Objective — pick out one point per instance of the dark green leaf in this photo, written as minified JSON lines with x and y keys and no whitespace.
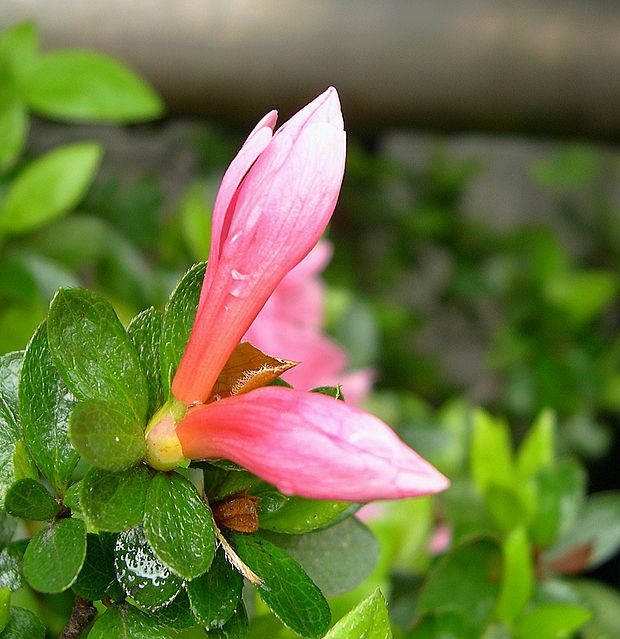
{"x":93,"y":353}
{"x":11,"y":559}
{"x":23,"y":624}
{"x":141,"y":574}
{"x":215,"y":595}
{"x":178,"y":525}
{"x":446,"y":625}
{"x":286,"y":589}
{"x":177,"y":614}
{"x":72,"y":498}
{"x":123,"y":621}
{"x":178,"y":321}
{"x":297,"y":515}
{"x":9,"y":436}
{"x":84,"y":85}
{"x":5,"y":607}
{"x":220,"y":482}
{"x":337,"y":558}
{"x":46,"y":418}
{"x":330,"y":391}
{"x":28,"y":499}
{"x":369,"y":620}
{"x":49,"y":186}
{"x":467,"y":580}
{"x":7,"y":528}
{"x":55,"y":555}
{"x":105,"y":434}
{"x":97,"y":574}
{"x":114,"y":501}
{"x":145,"y":333}
{"x":235,"y":628}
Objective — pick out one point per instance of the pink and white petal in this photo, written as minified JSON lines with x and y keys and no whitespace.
{"x":310,"y":445}
{"x":324,"y":108}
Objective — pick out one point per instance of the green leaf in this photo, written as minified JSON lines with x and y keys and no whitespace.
{"x":337,"y":559}
{"x":11,"y":559}
{"x":179,"y":525}
{"x":235,"y":628}
{"x":114,"y":501}
{"x":49,"y":186}
{"x":215,"y":595}
{"x":597,"y":526}
{"x":9,"y":436}
{"x":10,"y":368}
{"x":560,"y":493}
{"x":28,"y":499}
{"x":369,"y":619}
{"x":46,"y":418}
{"x":537,"y":451}
{"x":23,"y":466}
{"x":144,"y":331}
{"x":551,"y":621}
{"x":296,"y":515}
{"x":196,"y":220}
{"x":106,"y":435}
{"x":517,"y":576}
{"x":97,"y":574}
{"x":330,"y":391}
{"x":143,"y":577}
{"x":84,"y":85}
{"x":604,"y":602}
{"x":23,"y":624}
{"x":178,"y":321}
{"x":445,"y":625}
{"x":55,"y":555}
{"x":123,"y":621}
{"x":93,"y":353}
{"x":491,"y":452}
{"x":7,"y":528}
{"x":177,"y":614}
{"x":18,"y":48}
{"x":5,"y":607}
{"x":13,"y":130}
{"x":286,"y":589}
{"x":573,"y":166}
{"x":506,"y":506}
{"x":466,"y":580}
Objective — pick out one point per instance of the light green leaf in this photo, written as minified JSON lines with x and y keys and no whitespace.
{"x":18,"y":48}
{"x":23,"y":624}
{"x":551,"y":621}
{"x":179,"y":525}
{"x":517,"y":576}
{"x":55,"y":555}
{"x":368,"y":620}
{"x":196,"y":220}
{"x":49,"y":187}
{"x":537,"y":451}
{"x":84,"y":85}
{"x":5,"y":607}
{"x":491,"y":452}
{"x":13,"y":130}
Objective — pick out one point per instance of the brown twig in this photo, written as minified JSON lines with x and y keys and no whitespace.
{"x":82,"y":614}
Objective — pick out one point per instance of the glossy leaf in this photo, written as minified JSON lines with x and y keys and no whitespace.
{"x":10,"y":368}
{"x":46,"y":420}
{"x":93,"y":353}
{"x":9,"y":436}
{"x":337,"y":559}
{"x":144,"y":331}
{"x":84,"y":85}
{"x":235,"y":628}
{"x":49,"y":186}
{"x":369,"y":619}
{"x":124,"y":621}
{"x":97,"y":574}
{"x":11,"y":559}
{"x":55,"y":555}
{"x":106,"y":435}
{"x":287,"y":589}
{"x":23,"y":624}
{"x":114,"y":501}
{"x":178,"y":321}
{"x":215,"y":595}
{"x":177,"y":614}
{"x":28,"y":499}
{"x":178,"y":525}
{"x":143,"y":577}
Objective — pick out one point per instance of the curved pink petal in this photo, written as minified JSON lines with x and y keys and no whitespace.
{"x":310,"y":445}
{"x":275,"y":217}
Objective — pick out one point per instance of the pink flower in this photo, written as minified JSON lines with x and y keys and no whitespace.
{"x":290,"y":324}
{"x":274,"y":202}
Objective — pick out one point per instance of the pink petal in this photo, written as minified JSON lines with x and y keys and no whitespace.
{"x":310,"y":445}
{"x":274,"y":219}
